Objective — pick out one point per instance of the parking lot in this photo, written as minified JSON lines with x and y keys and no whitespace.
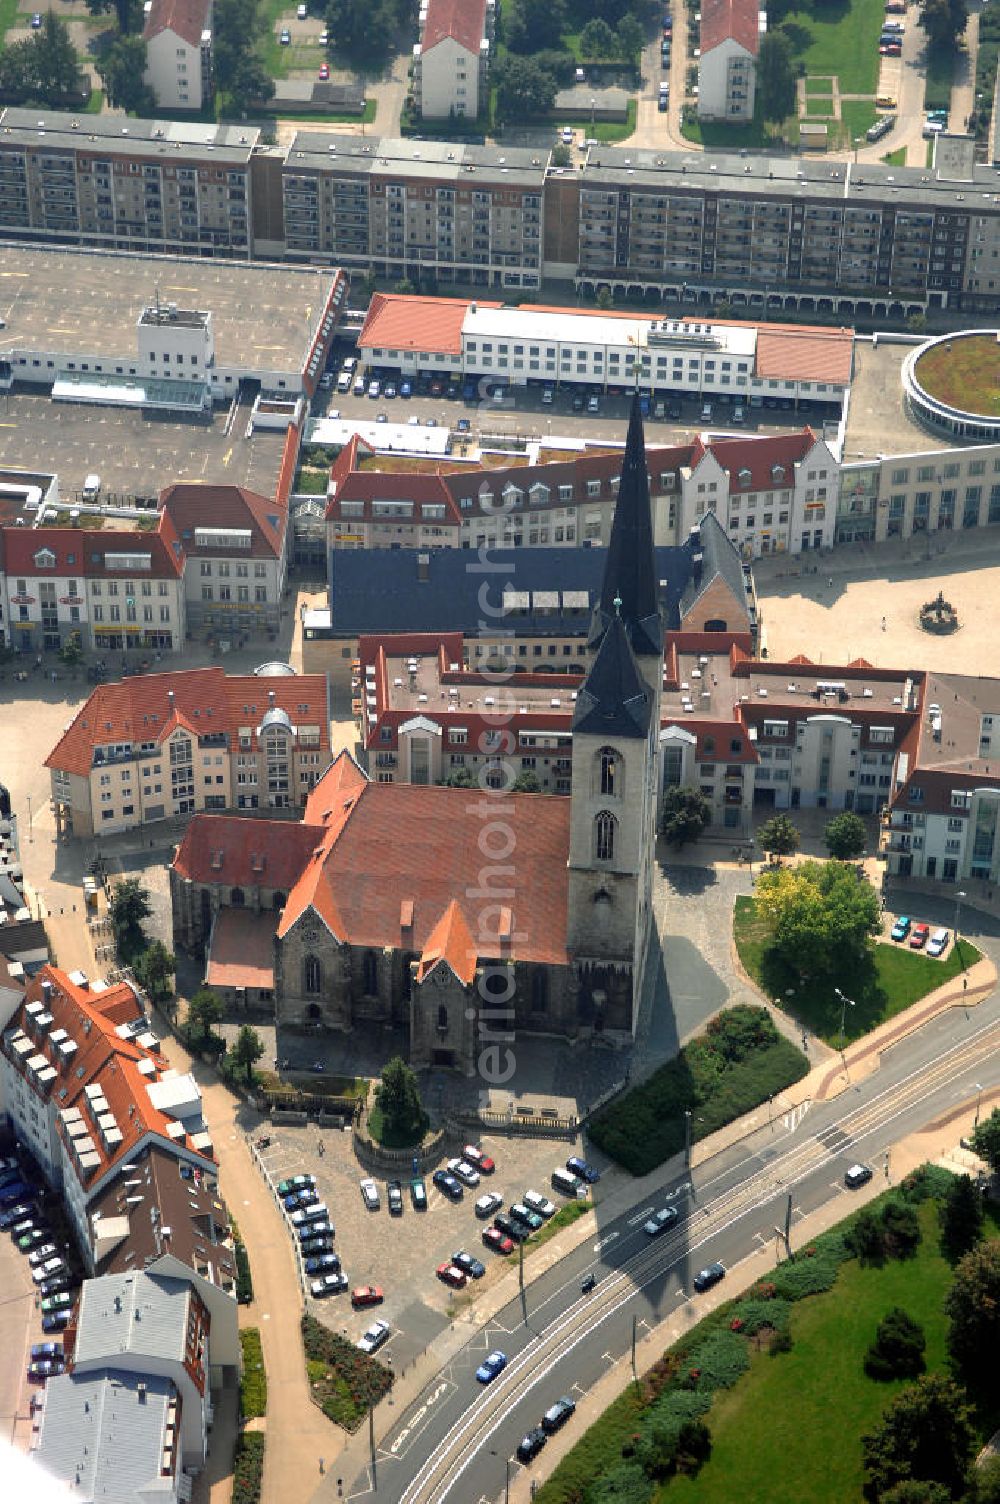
{"x":400,"y":1254}
{"x":523,"y":412}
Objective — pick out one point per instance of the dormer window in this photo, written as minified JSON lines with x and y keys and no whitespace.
{"x":777,"y":472}
{"x":45,"y":559}
{"x":744,"y":477}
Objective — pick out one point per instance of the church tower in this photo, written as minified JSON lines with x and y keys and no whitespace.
{"x":615,"y":748}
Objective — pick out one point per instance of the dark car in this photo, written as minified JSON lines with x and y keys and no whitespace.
{"x":418,"y":1194}
{"x":55,"y":1321}
{"x":448,"y":1184}
{"x":468,"y":1264}
{"x":578,"y":402}
{"x":519,"y":1231}
{"x":674,"y":412}
{"x":32,"y":1238}
{"x":45,"y":1368}
{"x":46,"y":1350}
{"x":22,"y":1212}
{"x":588,"y":1172}
{"x":321,"y":1243}
{"x":394,"y":1192}
{"x":300,"y":1199}
{"x":706,"y":1278}
{"x":16,"y":1190}
{"x":856,"y":1176}
{"x":558,"y":1414}
{"x":58,"y":1283}
{"x":323,"y":1263}
{"x":529,"y":1446}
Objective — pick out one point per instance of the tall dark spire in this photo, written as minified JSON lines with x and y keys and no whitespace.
{"x":629,"y":586}
{"x":614,"y":699}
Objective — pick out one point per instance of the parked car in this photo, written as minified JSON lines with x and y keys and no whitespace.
{"x":674,"y":412}
{"x":36,"y":20}
{"x":313,"y":1245}
{"x":322,"y":1263}
{"x":448,"y":1184}
{"x":394,"y":1196}
{"x":518,"y":1231}
{"x":474,"y":1156}
{"x":16,"y":1190}
{"x":46,"y":1350}
{"x":706,"y":412}
{"x":32,"y":1238}
{"x":369,"y":1194}
{"x":374,"y":1337}
{"x":406,"y":389}
{"x":310,"y":1230}
{"x":418,"y":1194}
{"x":582,"y":1169}
{"x":709,"y":1276}
{"x":857,"y":1175}
{"x":497,"y":1241}
{"x":919,"y":936}
{"x":324,"y":71}
{"x":490,"y":1367}
{"x":450,"y":1274}
{"x":529,"y":1218}
{"x":40,"y":1255}
{"x":296,"y":1183}
{"x":468,"y":1265}
{"x":57,"y":1284}
{"x":548,"y":395}
{"x":663,"y":104}
{"x":558,"y":1414}
{"x":318,"y":1212}
{"x":389,"y":391}
{"x":488,"y":1204}
{"x":578,"y":402}
{"x":366,"y":1295}
{"x":938,"y":943}
{"x":660,"y":1221}
{"x":539,"y":1204}
{"x":60,"y":1302}
{"x":374,"y":388}
{"x":529,"y":1446}
{"x":55,"y":1321}
{"x":22,"y":1212}
{"x":463,"y":1172}
{"x":593,"y":403}
{"x":328,"y":1284}
{"x":299,"y":1199}
{"x":45,"y":1368}
{"x":52,"y":1266}
{"x":286,"y":37}
{"x":900,"y":929}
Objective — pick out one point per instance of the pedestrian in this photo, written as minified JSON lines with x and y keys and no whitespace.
{"x":830,"y":581}
{"x":883,"y":624}
{"x":321,"y":1467}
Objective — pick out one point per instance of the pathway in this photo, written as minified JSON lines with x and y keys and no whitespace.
{"x":963,"y":87}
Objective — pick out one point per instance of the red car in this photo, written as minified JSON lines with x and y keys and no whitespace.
{"x":451,"y":1275}
{"x":366,"y":1295}
{"x":497,"y":1240}
{"x":324,"y":70}
{"x":479,"y":1161}
{"x":918,"y":936}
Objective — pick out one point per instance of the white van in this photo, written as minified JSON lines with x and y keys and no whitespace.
{"x":565,"y":1183}
{"x":344,"y":382}
{"x":92,"y":488}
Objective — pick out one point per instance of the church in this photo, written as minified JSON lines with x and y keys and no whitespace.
{"x":465,"y":916}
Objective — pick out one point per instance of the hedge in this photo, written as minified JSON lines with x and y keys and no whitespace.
{"x":253,"y":1384}
{"x":248,"y":1467}
{"x":738,"y":1062}
{"x":244,"y":1282}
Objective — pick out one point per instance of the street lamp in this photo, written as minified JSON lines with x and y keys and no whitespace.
{"x":844,"y":1000}
{"x":958,"y":914}
{"x":506,"y":1492}
{"x":858,"y":141}
{"x":979,"y":1098}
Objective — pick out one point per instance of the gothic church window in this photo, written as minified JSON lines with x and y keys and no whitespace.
{"x":312,"y":975}
{"x":605,"y":826}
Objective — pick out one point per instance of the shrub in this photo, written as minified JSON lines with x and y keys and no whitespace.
{"x":900,"y":1229}
{"x":866,"y":1237}
{"x":248,"y":1467}
{"x":720,"y":1360}
{"x":898,"y":1349}
{"x":624,"y":1483}
{"x":926,"y":1183}
{"x":244,"y":1281}
{"x":345,"y":1382}
{"x":757,"y":1313}
{"x":781,"y":1342}
{"x":808,"y":1276}
{"x":253,"y":1384}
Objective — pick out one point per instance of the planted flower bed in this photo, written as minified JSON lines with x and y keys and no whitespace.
{"x":344,"y":1382}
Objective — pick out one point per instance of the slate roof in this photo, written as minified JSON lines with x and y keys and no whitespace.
{"x":720,"y":557}
{"x":614,"y":700}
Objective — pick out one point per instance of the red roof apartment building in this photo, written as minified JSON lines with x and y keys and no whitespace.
{"x":451,"y":59}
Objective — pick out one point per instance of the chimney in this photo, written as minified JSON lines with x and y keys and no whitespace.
{"x":141,"y":1391}
{"x":423,"y":568}
{"x":47,"y":990}
{"x":170,"y":697}
{"x":696,"y":563}
{"x":270,"y":697}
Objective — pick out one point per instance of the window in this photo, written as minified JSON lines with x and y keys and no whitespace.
{"x":312,"y":976}
{"x":610,"y":778}
{"x":370,"y":967}
{"x":539,"y":990}
{"x":237,"y":898}
{"x":442,"y":1022}
{"x":604,"y":836}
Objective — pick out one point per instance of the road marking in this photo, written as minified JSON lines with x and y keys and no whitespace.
{"x":420,"y":1415}
{"x":603,"y":1242}
{"x":641,"y":1216}
{"x":792,"y":1119}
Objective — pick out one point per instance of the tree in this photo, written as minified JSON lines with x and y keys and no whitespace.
{"x":972,"y":1306}
{"x":984,"y":1481}
{"x":961,"y":1217}
{"x":900,"y":1229}
{"x":462,"y":778}
{"x":778,"y":836}
{"x":630,"y":37}
{"x":17,"y":69}
{"x":526,"y":783}
{"x":153,"y":969}
{"x":820,"y":915}
{"x":685,"y":814}
{"x":397,"y":1096}
{"x":604,"y":300}
{"x":128,"y":907}
{"x":944,"y":22}
{"x":898,"y":1349}
{"x":121,"y":72}
{"x":128,"y":12}
{"x":916,"y":1491}
{"x":56,"y":65}
{"x":865,"y":1237}
{"x":529,"y":26}
{"x":986,"y":1140}
{"x":71,"y":652}
{"x":597,"y":40}
{"x":776,"y":76}
{"x":240,"y":73}
{"x":247,"y":1050}
{"x":523,"y":88}
{"x":204,"y":1010}
{"x":926,"y":1435}
{"x":845,"y":837}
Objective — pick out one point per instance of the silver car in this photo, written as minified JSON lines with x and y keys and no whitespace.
{"x":369,"y":1193}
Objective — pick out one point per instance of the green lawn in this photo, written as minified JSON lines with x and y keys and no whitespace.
{"x":896,"y":978}
{"x":846,"y":44}
{"x":857,"y":115}
{"x":714,"y":133}
{"x":799,"y":1417}
{"x":819,"y":86}
{"x":896,"y":158}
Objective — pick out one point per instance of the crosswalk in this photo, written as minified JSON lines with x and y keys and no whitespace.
{"x":793,"y":1118}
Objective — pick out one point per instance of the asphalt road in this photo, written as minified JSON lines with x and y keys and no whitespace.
{"x":561,"y":1342}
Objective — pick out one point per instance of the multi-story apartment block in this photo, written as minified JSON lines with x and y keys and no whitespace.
{"x":171,"y":744}
{"x":798,"y":233}
{"x":727,"y":69}
{"x":236,"y":554}
{"x":418,"y":209}
{"x":451,"y":59}
{"x":178,"y":37}
{"x":146,"y":186}
{"x":944,"y":820}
